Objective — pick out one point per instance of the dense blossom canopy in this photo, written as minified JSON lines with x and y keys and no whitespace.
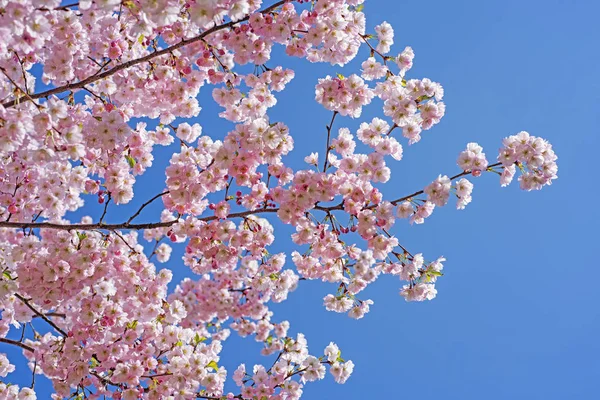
{"x":112,"y":328}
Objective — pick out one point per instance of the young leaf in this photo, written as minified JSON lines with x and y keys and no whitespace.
{"x":213,"y":364}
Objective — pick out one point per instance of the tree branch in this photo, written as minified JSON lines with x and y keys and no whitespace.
{"x":26,"y":96}
{"x":395,"y":202}
{"x":19,"y":344}
{"x":144,"y":205}
{"x":124,"y":225}
{"x":53,"y":314}
{"x":131,"y":63}
{"x":152,"y":225}
{"x":105,"y":207}
{"x":85,"y":227}
{"x":39,"y":314}
{"x":328,"y":138}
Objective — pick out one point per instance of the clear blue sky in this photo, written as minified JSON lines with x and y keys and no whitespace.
{"x":517,"y":311}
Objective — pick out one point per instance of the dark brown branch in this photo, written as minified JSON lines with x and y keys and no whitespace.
{"x":395,"y":202}
{"x":131,"y":63}
{"x":106,"y":381}
{"x":105,"y":207}
{"x":124,"y":225}
{"x":66,"y":7}
{"x":26,"y":96}
{"x":152,"y":225}
{"x":365,"y":38}
{"x":53,"y":314}
{"x":125,"y":241}
{"x":144,"y":205}
{"x":153,"y":253}
{"x":33,"y":374}
{"x":19,"y":344}
{"x":39,"y":314}
{"x":328,"y":139}
{"x":86,"y":227}
{"x":22,"y":72}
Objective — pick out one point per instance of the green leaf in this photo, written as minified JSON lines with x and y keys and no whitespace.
{"x":132,"y":324}
{"x":6,"y":274}
{"x":141,"y":39}
{"x":198,"y":339}
{"x":340,"y":76}
{"x":130,"y":161}
{"x":213,"y":364}
{"x":130,"y":4}
{"x":269,"y":340}
{"x":435,"y":273}
{"x":359,"y":7}
{"x":81,"y":236}
{"x":179,"y":343}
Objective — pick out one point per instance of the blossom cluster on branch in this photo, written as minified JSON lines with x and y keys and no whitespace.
{"x":110,"y":326}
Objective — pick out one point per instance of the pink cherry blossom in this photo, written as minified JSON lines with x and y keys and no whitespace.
{"x":114,"y":325}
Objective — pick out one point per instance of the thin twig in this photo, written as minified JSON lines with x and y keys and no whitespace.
{"x":395,"y":202}
{"x":105,"y":207}
{"x":153,"y":253}
{"x":125,"y":241}
{"x":328,"y":138}
{"x":33,"y":374}
{"x":19,"y":344}
{"x":22,"y":72}
{"x":53,"y":314}
{"x":94,"y":94}
{"x":39,"y":314}
{"x":27,"y":96}
{"x":23,"y":333}
{"x":144,"y":205}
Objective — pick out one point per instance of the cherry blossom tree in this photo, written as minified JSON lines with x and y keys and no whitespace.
{"x":112,"y":329}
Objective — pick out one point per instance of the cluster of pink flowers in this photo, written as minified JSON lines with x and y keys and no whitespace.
{"x":473,"y":158}
{"x":413,"y":106}
{"x":240,"y":107}
{"x":111,"y":326}
{"x":330,"y":32}
{"x":534,"y":157}
{"x":346,"y":96}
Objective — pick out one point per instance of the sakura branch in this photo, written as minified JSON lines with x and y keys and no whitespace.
{"x":131,"y":63}
{"x":329,"y":127}
{"x":146,"y":204}
{"x":452,"y":178}
{"x":124,"y":225}
{"x":41,"y":315}
{"x":118,"y":328}
{"x":18,"y":344}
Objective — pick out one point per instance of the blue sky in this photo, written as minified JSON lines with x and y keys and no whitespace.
{"x":517,"y":311}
